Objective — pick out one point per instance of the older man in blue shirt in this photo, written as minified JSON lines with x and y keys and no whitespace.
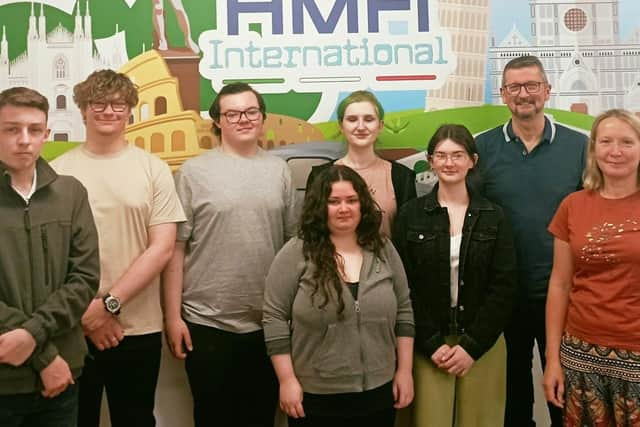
{"x":528,"y":166}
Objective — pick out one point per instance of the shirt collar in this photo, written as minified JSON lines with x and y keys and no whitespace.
{"x":32,"y":190}
{"x":548,"y":134}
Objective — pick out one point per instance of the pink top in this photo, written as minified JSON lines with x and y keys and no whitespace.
{"x":378,"y":178}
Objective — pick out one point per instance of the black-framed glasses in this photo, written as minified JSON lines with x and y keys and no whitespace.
{"x":531,"y":87}
{"x":117,"y":106}
{"x":234,"y":116}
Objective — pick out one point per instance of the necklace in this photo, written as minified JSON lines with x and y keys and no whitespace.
{"x":360,"y":168}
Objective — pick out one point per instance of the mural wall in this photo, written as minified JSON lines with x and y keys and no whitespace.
{"x":429,"y":61}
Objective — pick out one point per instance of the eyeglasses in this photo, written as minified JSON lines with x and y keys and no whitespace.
{"x":455,"y":157}
{"x":530,"y":87}
{"x":233,"y":116}
{"x":117,"y":106}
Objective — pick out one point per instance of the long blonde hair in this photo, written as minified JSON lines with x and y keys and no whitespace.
{"x":592,"y":177}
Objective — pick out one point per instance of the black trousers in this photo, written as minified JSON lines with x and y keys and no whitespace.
{"x":35,"y":410}
{"x":129,"y":375}
{"x":381,"y":418}
{"x":526,"y":326}
{"x":231,"y":377}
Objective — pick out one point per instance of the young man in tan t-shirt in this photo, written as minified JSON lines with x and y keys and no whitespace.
{"x":136,"y":209}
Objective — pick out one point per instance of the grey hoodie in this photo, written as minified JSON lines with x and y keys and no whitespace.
{"x":332,"y":355}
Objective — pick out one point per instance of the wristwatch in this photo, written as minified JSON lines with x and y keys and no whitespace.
{"x":111,"y":304}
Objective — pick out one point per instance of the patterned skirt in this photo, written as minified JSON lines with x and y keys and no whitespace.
{"x":602,"y":385}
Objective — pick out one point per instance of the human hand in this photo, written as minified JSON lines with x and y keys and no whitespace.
{"x":178,"y":337}
{"x":457,"y":361}
{"x":107,"y":336}
{"x":402,"y":389}
{"x":437,"y":355}
{"x":16,"y":346}
{"x":56,"y":377}
{"x":95,"y":316}
{"x":553,"y":383}
{"x":291,"y":398}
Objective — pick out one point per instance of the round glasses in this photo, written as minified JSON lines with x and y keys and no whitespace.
{"x":455,"y":157}
{"x":117,"y":106}
{"x":530,"y":87}
{"x":234,"y":116}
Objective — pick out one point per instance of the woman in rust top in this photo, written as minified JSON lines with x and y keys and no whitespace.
{"x":593,"y":305}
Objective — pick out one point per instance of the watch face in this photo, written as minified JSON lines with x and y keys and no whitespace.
{"x":112,"y":304}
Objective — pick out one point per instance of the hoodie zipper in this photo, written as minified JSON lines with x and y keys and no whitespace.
{"x":356,"y":305}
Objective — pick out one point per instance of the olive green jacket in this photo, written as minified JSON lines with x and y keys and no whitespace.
{"x":49,"y":272}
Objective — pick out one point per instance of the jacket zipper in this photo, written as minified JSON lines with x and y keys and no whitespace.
{"x":45,"y":248}
{"x":28,"y":289}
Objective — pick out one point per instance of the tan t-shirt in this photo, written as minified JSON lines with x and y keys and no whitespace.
{"x":604,"y":235}
{"x":378,"y":178}
{"x":129,"y":192}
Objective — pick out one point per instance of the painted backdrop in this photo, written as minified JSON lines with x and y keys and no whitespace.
{"x":429,"y":61}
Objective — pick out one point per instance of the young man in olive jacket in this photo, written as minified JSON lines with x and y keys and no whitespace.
{"x":49,"y":271}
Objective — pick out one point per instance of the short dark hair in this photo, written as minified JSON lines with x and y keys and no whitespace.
{"x":24,"y":97}
{"x":458,"y":134}
{"x":314,"y":230}
{"x":104,"y":83}
{"x":231,"y":89}
{"x":461,"y":136}
{"x":524,"y":61}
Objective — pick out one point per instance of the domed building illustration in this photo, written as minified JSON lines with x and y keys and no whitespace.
{"x":159,"y":123}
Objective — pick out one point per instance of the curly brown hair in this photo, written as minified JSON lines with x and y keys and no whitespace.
{"x":103,"y":84}
{"x":314,"y":231}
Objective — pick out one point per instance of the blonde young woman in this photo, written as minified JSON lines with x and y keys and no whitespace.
{"x":360,"y":116}
{"x":593,"y":305}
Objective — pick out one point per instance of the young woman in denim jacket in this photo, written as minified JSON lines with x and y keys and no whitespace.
{"x":458,"y":253}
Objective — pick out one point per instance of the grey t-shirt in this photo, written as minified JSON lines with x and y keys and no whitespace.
{"x":240,"y":212}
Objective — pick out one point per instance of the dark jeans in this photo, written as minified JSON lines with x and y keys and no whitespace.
{"x":526,"y":325}
{"x":382,"y":418}
{"x":231,"y":378}
{"x":34,"y":410}
{"x":129,"y":374}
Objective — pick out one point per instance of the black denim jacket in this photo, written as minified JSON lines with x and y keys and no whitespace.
{"x":487,"y":273}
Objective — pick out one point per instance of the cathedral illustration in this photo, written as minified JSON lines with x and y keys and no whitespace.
{"x":55,"y":61}
{"x":589,"y":67}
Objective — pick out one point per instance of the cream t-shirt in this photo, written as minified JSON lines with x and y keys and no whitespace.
{"x":129,"y":191}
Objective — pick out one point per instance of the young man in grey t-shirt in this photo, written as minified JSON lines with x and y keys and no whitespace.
{"x":239,"y":203}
